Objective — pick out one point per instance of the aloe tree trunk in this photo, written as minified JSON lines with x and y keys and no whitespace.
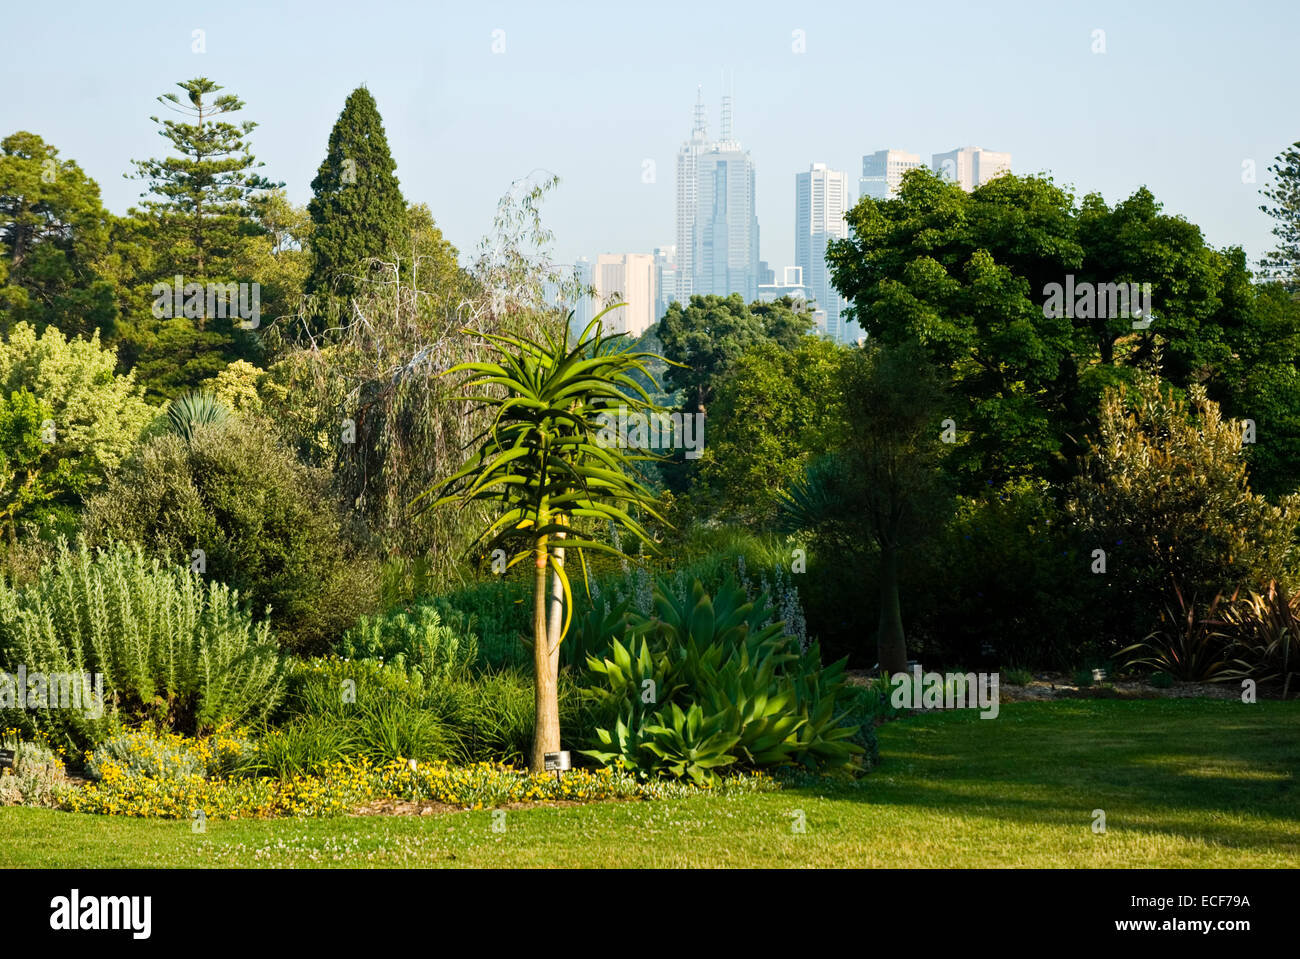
{"x":546,"y":668}
{"x":891,"y":645}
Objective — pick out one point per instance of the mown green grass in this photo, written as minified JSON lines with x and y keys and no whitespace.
{"x":1182,"y":783}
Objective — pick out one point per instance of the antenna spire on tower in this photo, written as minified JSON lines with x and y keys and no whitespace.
{"x":701,"y":123}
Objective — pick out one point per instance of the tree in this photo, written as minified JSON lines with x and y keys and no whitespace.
{"x":775,"y":410}
{"x":67,"y":421}
{"x":53,"y":230}
{"x":1283,"y":195}
{"x":708,"y":335}
{"x":883,"y":480}
{"x":547,"y":468}
{"x":202,"y":223}
{"x":357,"y":209}
{"x":204,"y":199}
{"x":968,"y":276}
{"x":1164,"y":493}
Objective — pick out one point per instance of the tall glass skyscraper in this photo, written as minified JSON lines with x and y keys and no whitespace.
{"x":717,"y":229}
{"x":821,"y":198}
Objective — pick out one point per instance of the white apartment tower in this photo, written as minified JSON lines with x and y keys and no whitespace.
{"x":625,"y":278}
{"x":970,"y":167}
{"x":882,"y":172}
{"x":821,"y":198}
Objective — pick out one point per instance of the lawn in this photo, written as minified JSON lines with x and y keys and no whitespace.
{"x":1188,"y":782}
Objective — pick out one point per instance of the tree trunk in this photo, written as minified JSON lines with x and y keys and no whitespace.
{"x":891,"y":645}
{"x":546,"y":660}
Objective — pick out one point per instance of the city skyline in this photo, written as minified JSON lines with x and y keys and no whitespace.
{"x":1089,"y":119}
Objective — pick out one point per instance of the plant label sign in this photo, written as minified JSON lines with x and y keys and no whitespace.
{"x":556,"y":761}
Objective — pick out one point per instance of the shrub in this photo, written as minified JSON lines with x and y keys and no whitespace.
{"x":67,"y":421}
{"x":171,"y":649}
{"x":414,"y":639}
{"x":1013,"y":581}
{"x":35,"y":776}
{"x":1164,"y":490}
{"x":170,"y":756}
{"x":1185,"y":645}
{"x":1264,"y":629}
{"x":266,"y":525}
{"x":705,"y":684}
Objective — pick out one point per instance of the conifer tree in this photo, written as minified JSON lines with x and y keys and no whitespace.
{"x":1284,"y":196}
{"x":357,"y":209}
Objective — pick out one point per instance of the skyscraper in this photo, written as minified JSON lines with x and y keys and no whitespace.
{"x":820,"y":200}
{"x":882,"y":172}
{"x":970,"y":167}
{"x":627,"y":278}
{"x":717,"y":229}
{"x":687,"y":200}
{"x":665,"y":279}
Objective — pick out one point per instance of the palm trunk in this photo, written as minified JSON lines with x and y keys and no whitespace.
{"x":546,"y":659}
{"x":891,"y":645}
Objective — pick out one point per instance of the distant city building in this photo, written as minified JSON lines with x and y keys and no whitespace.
{"x":970,"y":167}
{"x":791,"y":285}
{"x":688,"y":200}
{"x":582,"y":312}
{"x":627,"y":278}
{"x":717,"y":229}
{"x":882,"y":172}
{"x":665,"y":279}
{"x":821,"y":199}
{"x":766,"y":275}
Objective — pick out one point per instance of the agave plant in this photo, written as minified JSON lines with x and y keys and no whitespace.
{"x":187,"y":413}
{"x":705,"y":684}
{"x":1185,"y":645}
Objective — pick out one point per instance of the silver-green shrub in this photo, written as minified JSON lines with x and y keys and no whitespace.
{"x":35,"y":775}
{"x":173,"y":650}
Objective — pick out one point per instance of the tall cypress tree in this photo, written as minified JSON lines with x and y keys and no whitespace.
{"x":357,"y":208}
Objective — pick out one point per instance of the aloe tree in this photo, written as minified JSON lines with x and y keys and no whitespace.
{"x":549,"y":466}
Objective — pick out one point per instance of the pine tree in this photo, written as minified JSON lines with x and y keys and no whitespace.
{"x":204,"y":199}
{"x":357,"y":208}
{"x":1284,"y":194}
{"x":200,"y":221}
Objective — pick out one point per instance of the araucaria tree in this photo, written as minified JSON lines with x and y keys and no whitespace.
{"x":205,"y":196}
{"x":549,"y":470}
{"x":1283,"y":195}
{"x":357,"y":209}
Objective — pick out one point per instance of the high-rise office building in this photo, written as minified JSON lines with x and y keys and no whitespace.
{"x":665,"y":279}
{"x":882,"y":172}
{"x":688,"y":200}
{"x":970,"y":167}
{"x":627,"y":278}
{"x":717,"y":229}
{"x":821,"y":198}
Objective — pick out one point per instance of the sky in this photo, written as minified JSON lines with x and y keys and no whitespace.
{"x":474,"y":96}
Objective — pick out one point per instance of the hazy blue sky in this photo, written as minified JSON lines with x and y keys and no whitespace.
{"x":1185,"y":92}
